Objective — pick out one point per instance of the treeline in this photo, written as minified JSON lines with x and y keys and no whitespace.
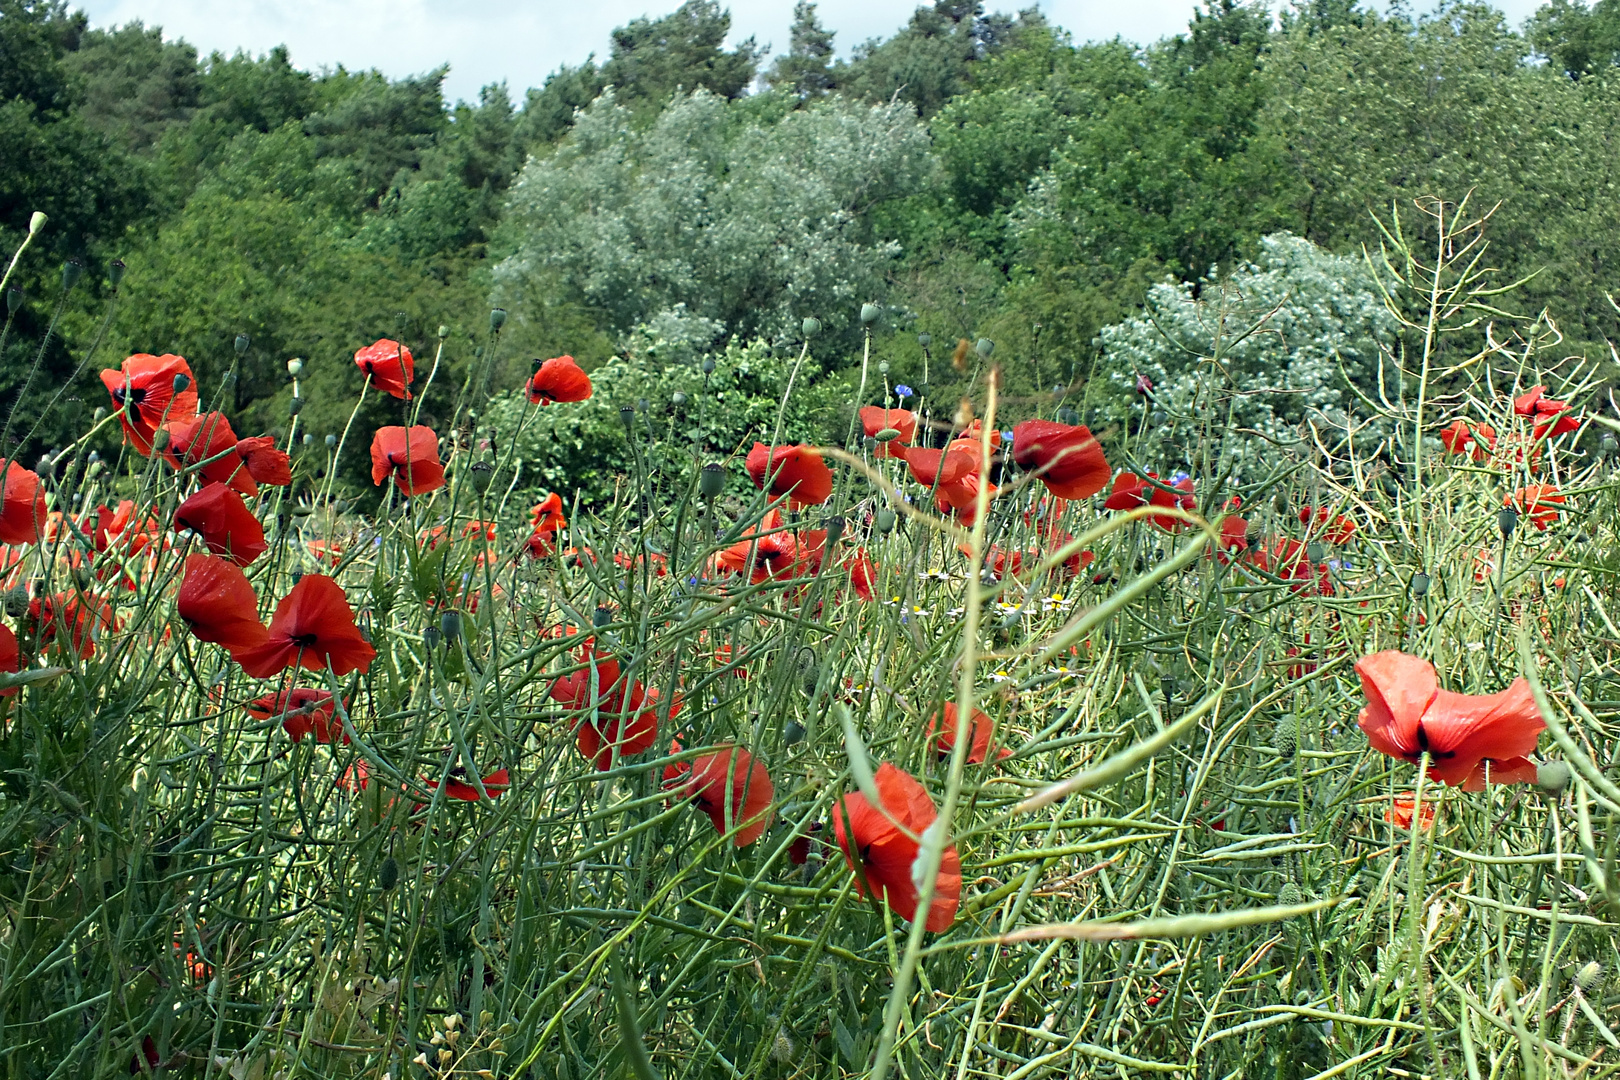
{"x":977,"y":174}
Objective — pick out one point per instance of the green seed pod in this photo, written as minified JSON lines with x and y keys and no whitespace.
{"x":1589,"y":979}
{"x":984,"y":347}
{"x":72,"y":271}
{"x":1290,"y":894}
{"x":482,"y":475}
{"x":14,"y":299}
{"x":712,"y":480}
{"x":430,"y":636}
{"x":115,"y":272}
{"x":1420,"y":585}
{"x":888,"y":434}
{"x":810,"y":326}
{"x":708,"y":365}
{"x":678,"y":398}
{"x":17,"y":602}
{"x":869,"y":314}
{"x":1507,"y":519}
{"x":295,"y":406}
{"x":601,"y":616}
{"x":295,"y":367}
{"x":497,"y":319}
{"x":1068,"y":416}
{"x":242,"y":343}
{"x":925,"y":340}
{"x":1552,"y":777}
{"x":388,"y":873}
{"x":883,"y":521}
{"x":835,"y":529}
{"x":450,"y":625}
{"x":1285,"y":736}
{"x":883,"y":367}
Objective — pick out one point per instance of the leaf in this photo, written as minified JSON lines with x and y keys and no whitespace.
{"x":629,"y":1028}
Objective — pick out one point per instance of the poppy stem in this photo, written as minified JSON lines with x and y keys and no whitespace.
{"x":337,"y":455}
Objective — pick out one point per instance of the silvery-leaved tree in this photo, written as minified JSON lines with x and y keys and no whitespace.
{"x":1250,"y":360}
{"x":749,"y":214}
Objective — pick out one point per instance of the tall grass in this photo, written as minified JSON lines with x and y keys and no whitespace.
{"x":1190,"y":864}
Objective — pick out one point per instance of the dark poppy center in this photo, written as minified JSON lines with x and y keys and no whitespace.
{"x":303,"y":641}
{"x":1425,"y":748}
{"x":137,"y":395}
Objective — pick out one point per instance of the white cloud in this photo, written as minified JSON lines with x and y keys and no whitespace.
{"x":522,"y":42}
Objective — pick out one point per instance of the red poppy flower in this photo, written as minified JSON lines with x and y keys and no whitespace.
{"x":875,"y":418}
{"x":1315,"y":520}
{"x":10,"y":659}
{"x":222,"y":519}
{"x":1001,"y":563}
{"x":1130,"y":491}
{"x":559,"y":379}
{"x":656,"y":560}
{"x":218,"y":603}
{"x":150,"y":1053}
{"x":960,"y":498}
{"x":931,"y":467}
{"x":1069,"y":460}
{"x":980,"y":729}
{"x":1475,"y":440}
{"x":799,"y":849}
{"x":863,"y":575}
{"x":303,"y":711}
{"x":880,"y":854}
{"x":22,"y":507}
{"x":1541,"y":503}
{"x":410,"y":457}
{"x":774,"y":555}
{"x":389,"y":365}
{"x":313,"y":627}
{"x":1400,"y":810}
{"x":745,"y":800}
{"x":77,"y":616}
{"x":356,"y":777}
{"x":208,"y":437}
{"x":796,"y":472}
{"x":264,"y":462}
{"x":1407,"y":714}
{"x":972,"y":435}
{"x":614,"y":716}
{"x":1290,"y":560}
{"x":143,"y":391}
{"x":1234,"y":539}
{"x":1549,"y":418}
{"x":495,"y":784}
{"x":547,"y":514}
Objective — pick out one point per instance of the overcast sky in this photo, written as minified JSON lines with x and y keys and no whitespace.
{"x":521,"y":41}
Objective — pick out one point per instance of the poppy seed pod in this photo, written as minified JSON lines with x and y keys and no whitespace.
{"x":1552,"y":776}
{"x":115,"y":272}
{"x":295,"y":406}
{"x":1507,"y":519}
{"x":72,"y":271}
{"x":181,"y":381}
{"x":497,"y":319}
{"x":835,"y":529}
{"x":708,"y":365}
{"x":1315,"y":552}
{"x":869,"y":442}
{"x":793,"y":733}
{"x":16,"y":602}
{"x":242,"y":343}
{"x":388,"y":874}
{"x":1068,"y":416}
{"x":711,"y":480}
{"x":36,"y":222}
{"x":601,"y":617}
{"x":331,"y":441}
{"x":450,"y":625}
{"x":1608,"y":445}
{"x":627,"y":414}
{"x":925,"y":340}
{"x":1158,"y":417}
{"x":883,"y":521}
{"x":14,"y":299}
{"x":984,"y":347}
{"x":883,"y":367}
{"x":677,"y":398}
{"x":430,"y":636}
{"x":869,"y":314}
{"x":811,"y":326}
{"x":295,"y":367}
{"x":309,"y":440}
{"x":444,"y":331}
{"x":1420,"y":585}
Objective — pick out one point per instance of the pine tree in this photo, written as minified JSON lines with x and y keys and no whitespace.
{"x":807,"y":68}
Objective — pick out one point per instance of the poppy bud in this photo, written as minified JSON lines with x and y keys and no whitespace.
{"x":242,"y":343}
{"x":100,"y":414}
{"x":925,"y":340}
{"x":1420,"y":585}
{"x":450,"y":625}
{"x":712,"y":480}
{"x":430,"y":635}
{"x":497,"y":319}
{"x":984,"y":347}
{"x":793,"y":733}
{"x":295,"y":406}
{"x":295,"y":367}
{"x":1315,"y":552}
{"x":1290,"y":894}
{"x":601,"y":616}
{"x":1609,"y":445}
{"x":883,"y":367}
{"x":388,"y":874}
{"x":1552,"y":777}
{"x":708,"y":365}
{"x":810,"y":326}
{"x":72,"y":270}
{"x":115,"y":272}
{"x":1158,"y":417}
{"x":869,"y":314}
{"x":1068,"y":416}
{"x":14,"y":299}
{"x":309,"y":440}
{"x":835,"y":529}
{"x":444,"y":331}
{"x":883,"y":521}
{"x":1589,"y":978}
{"x":1507,"y":519}
{"x":36,"y":222}
{"x":160,"y":438}
{"x":1285,"y":736}
{"x":677,"y":398}
{"x":482,"y":475}
{"x":888,"y":434}
{"x":331,"y":441}
{"x":869,"y":442}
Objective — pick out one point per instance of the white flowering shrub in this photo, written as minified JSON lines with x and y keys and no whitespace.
{"x":1324,"y":332}
{"x":749,"y":214}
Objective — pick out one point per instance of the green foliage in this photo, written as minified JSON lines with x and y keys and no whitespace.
{"x":806,"y":68}
{"x":1580,"y":40}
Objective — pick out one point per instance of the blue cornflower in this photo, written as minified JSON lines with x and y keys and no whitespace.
{"x":902,"y":391}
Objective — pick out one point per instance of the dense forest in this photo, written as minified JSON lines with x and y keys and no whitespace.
{"x":977,"y":175}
